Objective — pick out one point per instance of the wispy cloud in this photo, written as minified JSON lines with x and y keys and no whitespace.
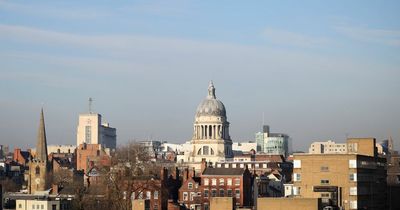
{"x":373,"y":35}
{"x":53,"y":11}
{"x":289,"y":38}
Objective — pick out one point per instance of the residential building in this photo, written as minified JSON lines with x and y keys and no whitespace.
{"x":95,"y":153}
{"x":42,"y":200}
{"x":328,"y":147}
{"x":289,"y":203}
{"x":273,"y":143}
{"x":91,"y":130}
{"x":196,"y":192}
{"x":352,"y":181}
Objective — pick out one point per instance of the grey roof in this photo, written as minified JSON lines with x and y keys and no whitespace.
{"x":211,"y":106}
{"x":223,"y":171}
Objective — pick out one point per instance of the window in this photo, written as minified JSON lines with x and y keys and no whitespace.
{"x":233,"y":165}
{"x":88,"y":134}
{"x":140,"y":195}
{"x":353,"y":177}
{"x":229,"y":182}
{"x":192,"y":195}
{"x":20,"y":206}
{"x":221,"y":193}
{"x":37,"y":170}
{"x":324,"y":181}
{"x":42,"y":206}
{"x":221,"y":181}
{"x":155,"y":194}
{"x":155,"y":206}
{"x":213,"y":193}
{"x":54,"y":207}
{"x":296,"y":163}
{"x":296,"y":190}
{"x":190,"y":185}
{"x":241,"y":165}
{"x":229,"y":193}
{"x":353,"y":204}
{"x":148,"y":195}
{"x":133,"y":196}
{"x":206,"y":193}
{"x":206,"y":207}
{"x":214,"y":182}
{"x":33,"y":206}
{"x":352,"y":163}
{"x":205,"y":150}
{"x":296,"y":177}
{"x":206,"y":182}
{"x":353,"y":190}
{"x":185,"y":196}
{"x":257,"y":165}
{"x":324,"y":168}
{"x":237,"y":193}
{"x":237,"y":181}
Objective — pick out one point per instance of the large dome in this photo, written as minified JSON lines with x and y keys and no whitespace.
{"x":211,"y":106}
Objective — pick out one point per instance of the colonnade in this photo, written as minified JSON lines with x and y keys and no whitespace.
{"x":211,"y":131}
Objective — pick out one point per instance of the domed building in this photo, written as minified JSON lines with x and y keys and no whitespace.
{"x":211,"y":140}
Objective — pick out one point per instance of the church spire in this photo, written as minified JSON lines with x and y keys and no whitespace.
{"x":211,"y":91}
{"x":41,"y":145}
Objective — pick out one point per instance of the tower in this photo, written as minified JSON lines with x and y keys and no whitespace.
{"x":211,"y":140}
{"x":39,"y":165}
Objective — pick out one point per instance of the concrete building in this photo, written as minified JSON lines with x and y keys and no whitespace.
{"x":42,"y":200}
{"x":211,"y":139}
{"x":244,"y":146}
{"x":327,"y":147}
{"x":289,"y":203}
{"x":273,"y":143}
{"x":355,"y":180}
{"x":91,"y":130}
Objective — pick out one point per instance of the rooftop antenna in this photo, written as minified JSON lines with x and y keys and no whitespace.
{"x":263,"y":119}
{"x":90,"y":105}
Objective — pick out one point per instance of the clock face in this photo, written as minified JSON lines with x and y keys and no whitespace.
{"x":37,"y":180}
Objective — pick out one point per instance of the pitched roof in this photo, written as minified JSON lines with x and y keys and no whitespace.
{"x":223,"y":171}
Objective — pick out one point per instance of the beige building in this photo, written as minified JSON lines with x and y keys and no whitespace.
{"x":30,"y":204}
{"x":327,"y":147}
{"x":354,"y":180}
{"x":289,"y":204}
{"x":91,"y":130}
{"x":221,"y":203}
{"x":211,"y":140}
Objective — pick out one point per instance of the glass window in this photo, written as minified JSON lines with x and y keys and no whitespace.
{"x":192,"y":195}
{"x":221,"y":193}
{"x":296,"y":177}
{"x":214,"y":182}
{"x":352,"y":163}
{"x":229,"y":192}
{"x":324,"y":168}
{"x":148,"y":195}
{"x":185,"y":196}
{"x":206,"y":207}
{"x":155,"y":206}
{"x":205,"y":150}
{"x":221,"y":181}
{"x":206,"y":182}
{"x":190,"y":185}
{"x":324,"y":181}
{"x":353,"y":177}
{"x":42,"y":206}
{"x":296,"y":163}
{"x":33,"y":206}
{"x":213,"y":193}
{"x":237,"y":181}
{"x":155,"y":194}
{"x":237,"y":193}
{"x":353,"y":190}
{"x":229,"y":182}
{"x":88,"y":134}
{"x":206,"y":193}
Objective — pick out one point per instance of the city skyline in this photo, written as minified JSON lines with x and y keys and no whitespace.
{"x":316,"y":70}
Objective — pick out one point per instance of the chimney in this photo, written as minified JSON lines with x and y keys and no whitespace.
{"x":54,"y":190}
{"x":17,"y":151}
{"x":203,"y":165}
{"x":176,"y":177}
{"x":185,"y":175}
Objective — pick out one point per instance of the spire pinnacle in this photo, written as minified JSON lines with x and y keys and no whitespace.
{"x":211,"y":91}
{"x":41,"y":145}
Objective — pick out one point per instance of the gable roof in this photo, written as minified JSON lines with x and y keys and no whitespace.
{"x":223,"y":171}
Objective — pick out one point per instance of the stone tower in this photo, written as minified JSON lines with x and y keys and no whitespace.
{"x":211,"y":140}
{"x":39,"y":165}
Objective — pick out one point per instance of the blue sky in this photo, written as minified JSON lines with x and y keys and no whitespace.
{"x":318,"y":70}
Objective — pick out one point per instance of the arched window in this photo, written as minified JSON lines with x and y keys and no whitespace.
{"x":212,"y":151}
{"x":37,"y":170}
{"x":205,"y":150}
{"x":199,"y":152}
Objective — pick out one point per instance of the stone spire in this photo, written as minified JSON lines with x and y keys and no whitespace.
{"x":211,"y":91}
{"x":41,"y":145}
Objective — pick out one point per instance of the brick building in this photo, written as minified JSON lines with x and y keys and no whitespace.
{"x":196,"y":192}
{"x":87,"y":153}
